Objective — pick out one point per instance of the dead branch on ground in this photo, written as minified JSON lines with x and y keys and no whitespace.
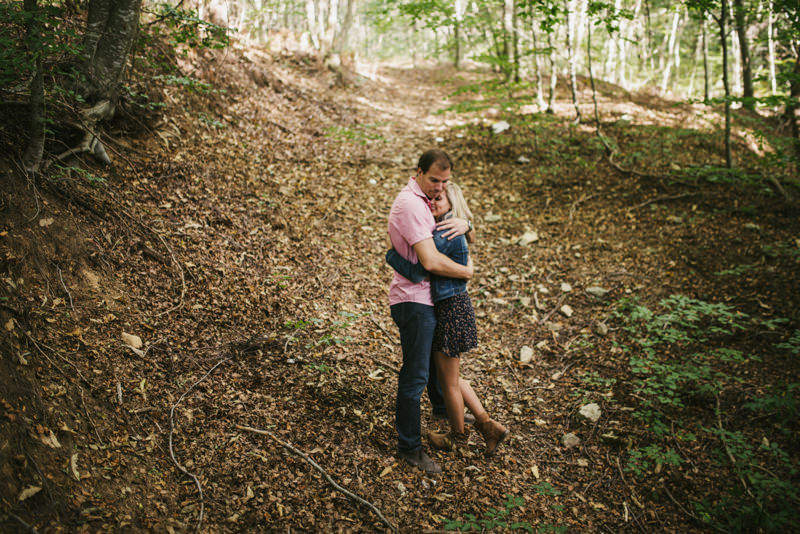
{"x":324,"y":473}
{"x":172,"y":450}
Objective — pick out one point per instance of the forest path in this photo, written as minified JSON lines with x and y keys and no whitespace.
{"x":245,"y":246}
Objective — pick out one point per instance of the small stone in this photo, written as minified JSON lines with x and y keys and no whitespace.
{"x":591,"y":411}
{"x":565,"y":287}
{"x":600,"y":329}
{"x":131,"y":340}
{"x":500,"y":127}
{"x":597,"y":291}
{"x":528,"y":238}
{"x":525,"y":354}
{"x":491,"y":217}
{"x":570,"y":440}
{"x":523,"y":159}
{"x":525,"y":302}
{"x":566,"y":310}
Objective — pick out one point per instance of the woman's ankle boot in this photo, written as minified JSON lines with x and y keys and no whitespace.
{"x":493,"y":432}
{"x":448,"y":441}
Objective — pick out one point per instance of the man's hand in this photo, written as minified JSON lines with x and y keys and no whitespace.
{"x":455,"y":227}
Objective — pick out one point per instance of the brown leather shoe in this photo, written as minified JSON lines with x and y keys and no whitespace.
{"x":493,"y":432}
{"x":420,"y":460}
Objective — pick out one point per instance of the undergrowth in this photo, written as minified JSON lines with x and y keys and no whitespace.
{"x":685,"y":362}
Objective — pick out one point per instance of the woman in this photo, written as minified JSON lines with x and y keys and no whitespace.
{"x":455,"y":328}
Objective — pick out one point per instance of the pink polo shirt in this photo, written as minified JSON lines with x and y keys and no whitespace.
{"x":410,"y":221}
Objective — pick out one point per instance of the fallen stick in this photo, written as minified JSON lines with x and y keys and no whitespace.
{"x":316,"y":466}
{"x":172,"y":450}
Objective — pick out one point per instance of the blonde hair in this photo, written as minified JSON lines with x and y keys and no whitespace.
{"x":458,"y":205}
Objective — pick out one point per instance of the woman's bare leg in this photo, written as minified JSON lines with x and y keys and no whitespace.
{"x":470,"y":398}
{"x":450,"y":381}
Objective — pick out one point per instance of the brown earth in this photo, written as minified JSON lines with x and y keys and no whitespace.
{"x":242,"y":241}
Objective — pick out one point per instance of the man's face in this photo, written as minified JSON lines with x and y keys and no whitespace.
{"x":433,"y":182}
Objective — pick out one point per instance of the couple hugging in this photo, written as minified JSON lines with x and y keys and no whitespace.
{"x":429,"y":227}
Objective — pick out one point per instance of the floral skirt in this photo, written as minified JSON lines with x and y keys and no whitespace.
{"x":455,"y":326}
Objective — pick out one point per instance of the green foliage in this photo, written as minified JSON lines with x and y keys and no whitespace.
{"x":764,"y":501}
{"x":54,"y":42}
{"x":319,"y":332}
{"x":642,"y":460}
{"x":721,"y":175}
{"x":493,"y":519}
{"x":62,"y":172}
{"x":793,"y":343}
{"x":189,"y":32}
{"x":546,"y":489}
{"x":677,"y":354}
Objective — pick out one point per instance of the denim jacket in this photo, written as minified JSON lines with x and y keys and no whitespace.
{"x":441,"y":287}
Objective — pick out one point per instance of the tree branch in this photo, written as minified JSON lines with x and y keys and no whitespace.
{"x":316,"y":466}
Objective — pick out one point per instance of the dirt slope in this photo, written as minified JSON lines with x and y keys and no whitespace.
{"x":242,"y":242}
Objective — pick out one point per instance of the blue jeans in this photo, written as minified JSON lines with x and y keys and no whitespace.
{"x":416,"y":323}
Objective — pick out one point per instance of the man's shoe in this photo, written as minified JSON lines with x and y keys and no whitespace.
{"x":469,"y":419}
{"x":420,"y":460}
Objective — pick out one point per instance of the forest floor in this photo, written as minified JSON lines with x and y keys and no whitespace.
{"x":241,"y":242}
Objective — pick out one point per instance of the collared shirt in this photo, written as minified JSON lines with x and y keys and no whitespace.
{"x":442,"y":287}
{"x":410,"y":221}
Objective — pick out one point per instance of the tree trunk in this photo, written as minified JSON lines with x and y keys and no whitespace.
{"x":343,"y":35}
{"x":723,"y":38}
{"x":111,"y":31}
{"x":573,"y":79}
{"x":793,"y":109}
{"x":627,"y":29}
{"x":515,"y":39}
{"x":706,"y":69}
{"x":508,"y":9}
{"x":459,"y":7}
{"x":551,"y":93}
{"x":773,"y":81}
{"x":591,"y":75}
{"x":747,"y":71}
{"x":537,"y":63}
{"x":670,"y":49}
{"x":34,"y":150}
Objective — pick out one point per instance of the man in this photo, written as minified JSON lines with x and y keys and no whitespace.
{"x":411,"y":226}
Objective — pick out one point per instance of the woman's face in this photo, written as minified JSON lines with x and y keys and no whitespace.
{"x":440,"y":205}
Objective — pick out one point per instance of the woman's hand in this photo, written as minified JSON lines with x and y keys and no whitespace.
{"x":455,"y":227}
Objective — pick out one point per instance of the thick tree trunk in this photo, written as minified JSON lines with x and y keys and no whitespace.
{"x":343,"y":34}
{"x":747,"y":70}
{"x":459,"y":7}
{"x":34,"y":150}
{"x":110,"y":34}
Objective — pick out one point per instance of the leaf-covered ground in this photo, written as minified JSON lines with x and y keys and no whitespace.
{"x":242,"y":241}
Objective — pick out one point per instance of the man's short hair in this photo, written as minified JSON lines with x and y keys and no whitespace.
{"x":434,"y":155}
